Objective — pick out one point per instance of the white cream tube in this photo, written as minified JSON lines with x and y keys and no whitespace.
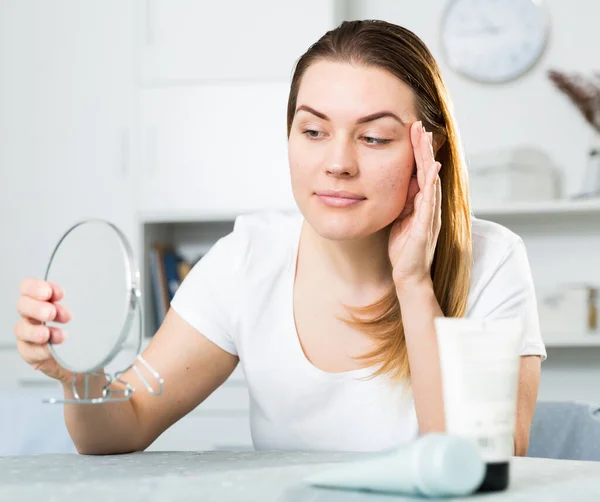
{"x":479,"y":362}
{"x":435,"y":465}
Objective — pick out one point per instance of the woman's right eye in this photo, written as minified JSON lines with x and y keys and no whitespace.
{"x":312,"y":134}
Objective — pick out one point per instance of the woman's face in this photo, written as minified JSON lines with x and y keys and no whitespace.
{"x":350,"y":154}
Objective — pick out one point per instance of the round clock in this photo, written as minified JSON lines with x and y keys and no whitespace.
{"x":494,"y":40}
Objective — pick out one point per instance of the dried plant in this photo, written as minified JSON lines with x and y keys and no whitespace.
{"x":584,"y":92}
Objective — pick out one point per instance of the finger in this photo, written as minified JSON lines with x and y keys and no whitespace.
{"x":63,"y":314}
{"x":431,"y":153}
{"x":40,"y":290}
{"x":58,"y":293}
{"x":427,"y":206}
{"x":427,"y":158}
{"x":416,"y":133}
{"x":409,"y":204}
{"x":420,"y":227}
{"x":438,"y":207}
{"x":57,"y":335}
{"x":32,"y":333}
{"x":33,"y":353}
{"x":37,"y":310}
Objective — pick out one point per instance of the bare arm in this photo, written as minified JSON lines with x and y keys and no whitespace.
{"x":529,"y":382}
{"x":192,"y":368}
{"x":419,"y":308}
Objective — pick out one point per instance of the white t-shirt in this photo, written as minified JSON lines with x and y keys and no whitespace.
{"x":239,"y":296}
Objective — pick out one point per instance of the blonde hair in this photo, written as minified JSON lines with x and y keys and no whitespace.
{"x":400,"y":52}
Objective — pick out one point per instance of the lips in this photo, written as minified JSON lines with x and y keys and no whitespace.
{"x":339,"y":198}
{"x":342,"y":194}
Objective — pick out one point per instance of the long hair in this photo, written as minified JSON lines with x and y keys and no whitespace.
{"x":380,"y":44}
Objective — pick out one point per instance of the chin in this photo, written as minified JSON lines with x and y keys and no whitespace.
{"x":337,"y":230}
{"x":337,"y":224}
{"x":343,"y":224}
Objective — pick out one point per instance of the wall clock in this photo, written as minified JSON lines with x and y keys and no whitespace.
{"x":494,"y":41}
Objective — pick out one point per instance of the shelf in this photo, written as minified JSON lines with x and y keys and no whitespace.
{"x":185,"y":217}
{"x":565,"y":207}
{"x":199,"y":217}
{"x":591,"y":339}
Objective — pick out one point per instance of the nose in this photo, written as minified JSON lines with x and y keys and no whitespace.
{"x":341,"y":162}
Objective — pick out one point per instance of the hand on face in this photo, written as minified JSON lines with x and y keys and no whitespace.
{"x":414,"y":234}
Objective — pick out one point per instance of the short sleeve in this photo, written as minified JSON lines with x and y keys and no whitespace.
{"x":509,"y":292}
{"x":207,"y":299}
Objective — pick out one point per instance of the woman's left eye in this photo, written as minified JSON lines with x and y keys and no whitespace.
{"x":376,"y":141}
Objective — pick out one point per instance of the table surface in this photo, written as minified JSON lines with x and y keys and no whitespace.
{"x":248,"y":476}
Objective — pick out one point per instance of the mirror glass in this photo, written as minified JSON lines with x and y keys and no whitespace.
{"x":93,"y":264}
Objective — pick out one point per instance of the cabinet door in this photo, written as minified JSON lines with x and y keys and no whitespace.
{"x":214,"y":149}
{"x":66,"y":101}
{"x":28,"y":426}
{"x":229,"y":39}
{"x":222,"y":422}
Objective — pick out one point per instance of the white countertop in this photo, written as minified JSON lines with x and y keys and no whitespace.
{"x":248,"y":476}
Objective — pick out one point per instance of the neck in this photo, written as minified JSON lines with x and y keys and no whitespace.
{"x":359,"y":265}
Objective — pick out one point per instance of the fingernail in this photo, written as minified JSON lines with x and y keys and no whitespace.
{"x":439,"y":167}
{"x":423,"y":128}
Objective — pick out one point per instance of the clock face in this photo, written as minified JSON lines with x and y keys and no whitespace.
{"x":494,"y":40}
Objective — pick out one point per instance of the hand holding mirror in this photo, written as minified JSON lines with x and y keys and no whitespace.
{"x":93,"y":263}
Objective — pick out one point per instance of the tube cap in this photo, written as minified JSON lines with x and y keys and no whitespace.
{"x":448,"y":466}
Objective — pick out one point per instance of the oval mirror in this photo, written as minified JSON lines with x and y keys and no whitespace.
{"x":93,"y":263}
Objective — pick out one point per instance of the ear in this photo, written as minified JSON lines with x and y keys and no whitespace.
{"x":438,"y":142}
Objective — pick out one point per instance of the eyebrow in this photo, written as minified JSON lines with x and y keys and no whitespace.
{"x":361,"y":120}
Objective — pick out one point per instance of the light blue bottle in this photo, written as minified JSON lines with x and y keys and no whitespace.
{"x":434,"y":465}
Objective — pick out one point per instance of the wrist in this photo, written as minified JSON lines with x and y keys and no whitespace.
{"x":414,"y":288}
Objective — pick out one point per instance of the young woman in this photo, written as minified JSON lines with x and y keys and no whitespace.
{"x":330,"y":312}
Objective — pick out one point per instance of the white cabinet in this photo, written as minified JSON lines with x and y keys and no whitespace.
{"x":214,"y":149}
{"x":182,"y":40}
{"x":214,"y":86}
{"x":220,"y":423}
{"x":28,"y":426}
{"x":67,"y":108}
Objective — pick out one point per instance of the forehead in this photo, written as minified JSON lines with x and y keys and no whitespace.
{"x":355,"y":90}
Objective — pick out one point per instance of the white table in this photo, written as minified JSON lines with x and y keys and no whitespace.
{"x":247,"y":476}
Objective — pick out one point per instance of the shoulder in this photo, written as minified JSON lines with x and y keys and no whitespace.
{"x":252,"y":255}
{"x":496,"y":250}
{"x":492,"y":242}
{"x":266,"y":224}
{"x":261,"y":241}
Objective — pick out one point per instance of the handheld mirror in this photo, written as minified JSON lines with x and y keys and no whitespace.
{"x":93,"y":263}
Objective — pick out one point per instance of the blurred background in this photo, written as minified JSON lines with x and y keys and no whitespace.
{"x":167,"y":118}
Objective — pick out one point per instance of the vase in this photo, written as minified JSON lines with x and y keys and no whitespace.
{"x":590,"y":186}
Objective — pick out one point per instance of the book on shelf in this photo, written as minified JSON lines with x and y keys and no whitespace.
{"x":167,"y":271}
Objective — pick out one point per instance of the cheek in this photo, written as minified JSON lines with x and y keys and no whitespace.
{"x":300,"y":158}
{"x":393,"y":180}
{"x":295,"y":159}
